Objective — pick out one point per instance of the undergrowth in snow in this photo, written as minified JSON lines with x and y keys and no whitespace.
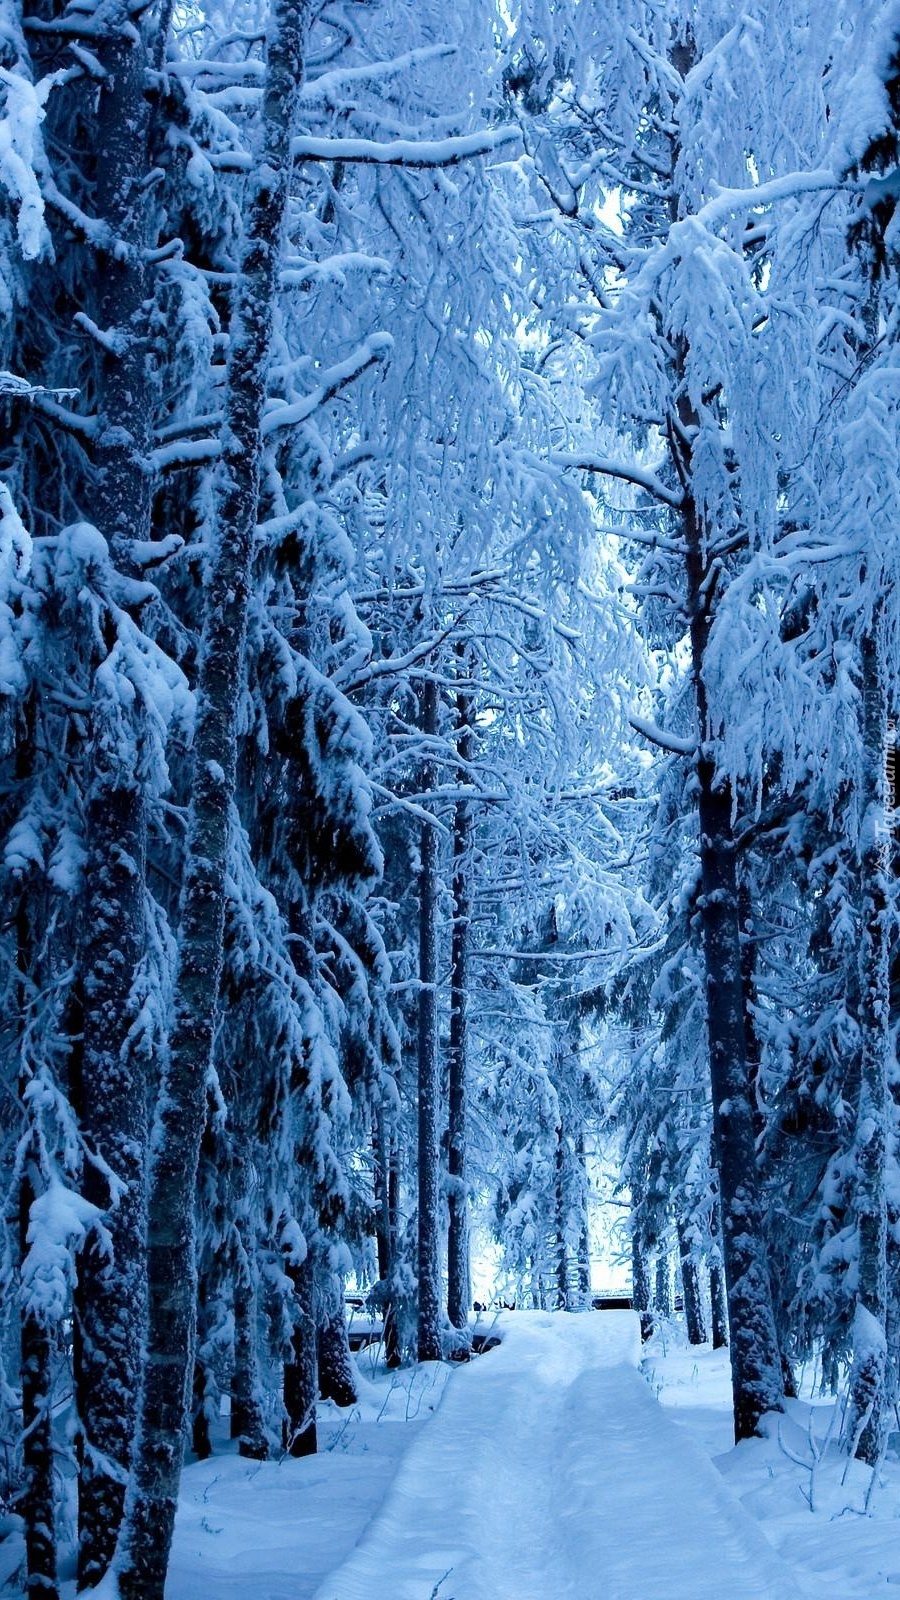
{"x":824,"y":1515}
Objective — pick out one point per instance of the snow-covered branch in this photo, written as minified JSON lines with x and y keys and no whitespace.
{"x":407,"y":152}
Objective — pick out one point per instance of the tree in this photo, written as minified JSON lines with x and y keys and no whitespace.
{"x":150,"y":1513}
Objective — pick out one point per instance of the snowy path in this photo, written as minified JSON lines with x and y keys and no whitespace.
{"x":551,"y":1473}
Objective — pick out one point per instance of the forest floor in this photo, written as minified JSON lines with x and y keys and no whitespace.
{"x":566,"y":1464}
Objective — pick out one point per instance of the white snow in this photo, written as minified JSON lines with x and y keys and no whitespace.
{"x":548,"y":1469}
{"x":550,"y":1473}
{"x":274,"y":1530}
{"x":833,"y":1546}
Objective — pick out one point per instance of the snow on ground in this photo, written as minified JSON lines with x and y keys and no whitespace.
{"x":550,"y":1473}
{"x":543,"y":1470}
{"x":835,"y":1548}
{"x":273,"y":1530}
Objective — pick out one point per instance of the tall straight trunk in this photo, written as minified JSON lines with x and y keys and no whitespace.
{"x":561,"y":1246}
{"x":690,"y":1283}
{"x":386,"y":1216}
{"x":755,"y":1355}
{"x":201,"y":1387}
{"x":867,"y":1410}
{"x":641,"y":1297}
{"x":662,"y":1293}
{"x":111,"y":1279}
{"x":153,"y":1489}
{"x":640,"y":1285}
{"x":247,"y":1424}
{"x":719,"y":1308}
{"x":459,"y":1291}
{"x":892,"y":1320}
{"x":38,"y":1501}
{"x":338,"y":1380}
{"x":429,"y":1239}
{"x":584,"y":1232}
{"x":301,"y":1373}
{"x":247,"y":1421}
{"x":111,"y":1290}
{"x":717,"y":1301}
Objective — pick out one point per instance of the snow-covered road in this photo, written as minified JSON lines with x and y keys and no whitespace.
{"x":549,"y":1472}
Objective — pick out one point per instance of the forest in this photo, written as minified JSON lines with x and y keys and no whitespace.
{"x":449,"y":663}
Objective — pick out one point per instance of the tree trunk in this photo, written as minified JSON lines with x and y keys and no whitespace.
{"x":690,"y":1282}
{"x":38,"y":1501}
{"x":640,"y":1285}
{"x":201,"y":1442}
{"x":717,"y":1303}
{"x":247,"y":1424}
{"x":719,"y":1307}
{"x":386,"y":1214}
{"x":584,"y":1232}
{"x":337,"y":1374}
{"x":640,"y":1270}
{"x":866,"y":1415}
{"x":429,"y":1246}
{"x":755,"y":1355}
{"x":111,"y":1291}
{"x":111,"y":1282}
{"x":561,"y":1246}
{"x":153,"y":1490}
{"x":459,"y":1292}
{"x":662,"y":1296}
{"x":301,"y":1378}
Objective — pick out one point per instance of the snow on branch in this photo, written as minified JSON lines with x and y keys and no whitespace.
{"x":59,"y":1220}
{"x":627,"y":471}
{"x":407,"y":152}
{"x":675,"y":745}
{"x":727,"y":202}
{"x":322,"y":88}
{"x":375,"y":348}
{"x":182,"y":452}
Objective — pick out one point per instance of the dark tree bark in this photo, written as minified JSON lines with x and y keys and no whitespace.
{"x":337,"y":1372}
{"x":561,"y":1247}
{"x":153,"y":1490}
{"x":640,"y":1285}
{"x":641,"y":1297}
{"x":755,"y":1356}
{"x":429,"y":1240}
{"x":459,"y":1292}
{"x":247,"y":1423}
{"x":387,"y":1196}
{"x":37,"y":1504}
{"x":717,"y":1300}
{"x":584,"y":1234}
{"x":201,"y":1442}
{"x":111,"y":1293}
{"x":111,"y":1286}
{"x":301,"y":1377}
{"x":690,"y":1283}
{"x":662,"y":1293}
{"x":718,"y":1304}
{"x":866,"y":1412}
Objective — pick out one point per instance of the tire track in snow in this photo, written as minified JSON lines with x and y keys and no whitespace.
{"x":551,"y":1473}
